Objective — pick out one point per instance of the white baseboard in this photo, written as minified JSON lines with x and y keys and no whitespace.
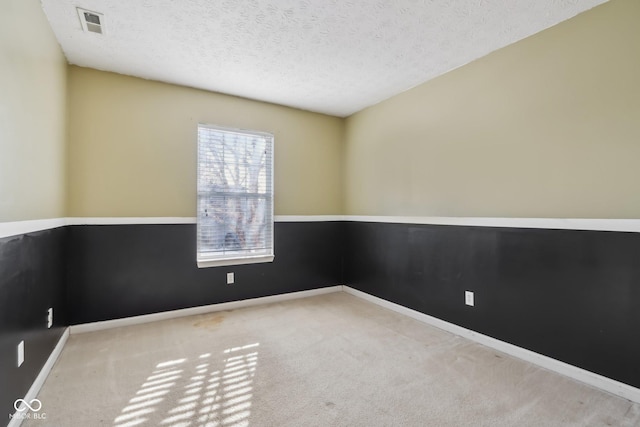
{"x":587,"y":377}
{"x":595,"y":380}
{"x":42,"y":376}
{"x":136,"y":320}
{"x":96,"y":326}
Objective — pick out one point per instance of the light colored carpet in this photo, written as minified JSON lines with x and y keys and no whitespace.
{"x":332,"y":360}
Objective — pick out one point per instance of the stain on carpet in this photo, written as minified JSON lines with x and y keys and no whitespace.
{"x":209,"y":321}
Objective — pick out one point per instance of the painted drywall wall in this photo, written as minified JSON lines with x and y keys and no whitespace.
{"x":32,"y":280}
{"x":567,"y":294}
{"x":547,"y":127}
{"x":32,"y":114}
{"x":124,"y":270}
{"x":132,"y":147}
{"x":32,"y":186}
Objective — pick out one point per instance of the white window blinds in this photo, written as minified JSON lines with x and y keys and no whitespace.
{"x":235,"y":196}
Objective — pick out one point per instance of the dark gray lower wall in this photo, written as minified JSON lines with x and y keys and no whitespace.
{"x":127,"y":270}
{"x":101,"y":272}
{"x":570,"y":295}
{"x":31,"y":280}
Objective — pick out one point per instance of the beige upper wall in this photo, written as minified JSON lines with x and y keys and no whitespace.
{"x":32,"y":114}
{"x":547,"y":127}
{"x":132,"y":147}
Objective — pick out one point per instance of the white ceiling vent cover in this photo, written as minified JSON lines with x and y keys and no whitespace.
{"x":92,"y":22}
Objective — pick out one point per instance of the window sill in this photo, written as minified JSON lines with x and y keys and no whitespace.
{"x":220,"y":262}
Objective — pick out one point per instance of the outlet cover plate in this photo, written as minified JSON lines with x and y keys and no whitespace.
{"x":230,"y":278}
{"x":20,"y":353}
{"x":468,"y":298}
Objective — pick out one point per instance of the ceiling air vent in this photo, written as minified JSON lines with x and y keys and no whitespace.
{"x":91,"y":21}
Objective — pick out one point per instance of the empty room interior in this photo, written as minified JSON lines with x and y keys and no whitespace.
{"x":319,"y":213}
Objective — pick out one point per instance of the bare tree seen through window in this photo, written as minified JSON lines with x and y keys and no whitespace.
{"x":234,"y":192}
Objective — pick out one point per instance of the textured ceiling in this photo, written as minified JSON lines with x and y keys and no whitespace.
{"x":330,"y":56}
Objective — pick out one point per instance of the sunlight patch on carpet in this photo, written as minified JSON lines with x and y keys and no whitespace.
{"x":211,"y":393}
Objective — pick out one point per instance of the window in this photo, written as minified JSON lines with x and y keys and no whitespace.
{"x":235,"y":196}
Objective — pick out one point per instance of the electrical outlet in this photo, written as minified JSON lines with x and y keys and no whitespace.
{"x":230,"y":279}
{"x":50,"y":317}
{"x":20,"y":353}
{"x":468,"y":298}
